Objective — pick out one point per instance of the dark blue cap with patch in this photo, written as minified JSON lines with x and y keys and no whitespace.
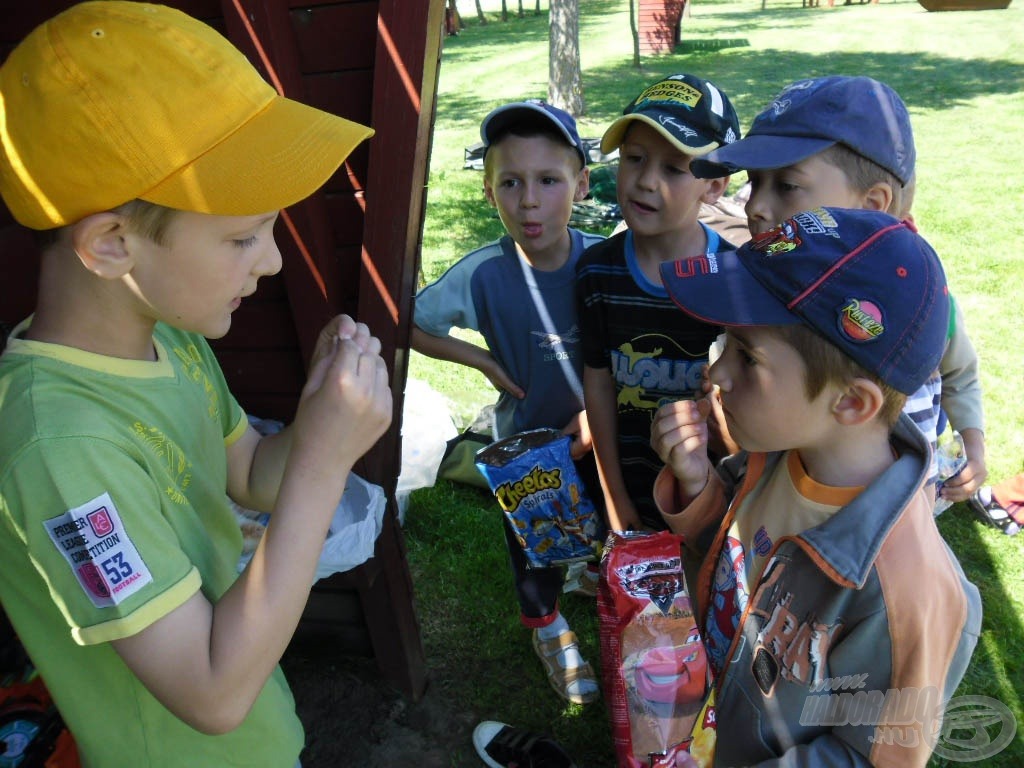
{"x":865,"y":281}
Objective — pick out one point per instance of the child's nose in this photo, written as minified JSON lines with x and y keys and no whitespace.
{"x":758,"y":213}
{"x":718,"y":375}
{"x":648,"y":178}
{"x":530,"y":197}
{"x":269,"y":262}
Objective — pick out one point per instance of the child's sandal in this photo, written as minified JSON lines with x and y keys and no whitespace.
{"x":990,"y":512}
{"x":562,"y":677}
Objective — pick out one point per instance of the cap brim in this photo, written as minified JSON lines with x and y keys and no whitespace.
{"x":720,"y":290}
{"x":279,"y":157}
{"x":616,"y":132}
{"x":756,"y":153}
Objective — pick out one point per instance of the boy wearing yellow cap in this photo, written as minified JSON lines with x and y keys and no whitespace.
{"x":154,"y":160}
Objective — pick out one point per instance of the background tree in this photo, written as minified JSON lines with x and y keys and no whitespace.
{"x":480,"y":13}
{"x":565,"y":83}
{"x":636,"y":33}
{"x":452,"y":19}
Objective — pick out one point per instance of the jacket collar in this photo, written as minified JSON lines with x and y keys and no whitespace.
{"x":850,"y":540}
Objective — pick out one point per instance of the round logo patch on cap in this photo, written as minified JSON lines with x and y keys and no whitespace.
{"x":860,"y":320}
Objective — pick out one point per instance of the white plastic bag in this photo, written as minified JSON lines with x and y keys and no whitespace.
{"x":354,"y":530}
{"x":427,"y":426}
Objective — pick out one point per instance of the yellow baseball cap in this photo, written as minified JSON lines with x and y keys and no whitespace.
{"x":111,"y":101}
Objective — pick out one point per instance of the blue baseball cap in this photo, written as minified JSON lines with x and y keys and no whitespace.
{"x":865,"y":281}
{"x":525,"y":113}
{"x":693,"y":115}
{"x":809,"y":116}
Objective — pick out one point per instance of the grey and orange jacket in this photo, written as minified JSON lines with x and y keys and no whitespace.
{"x":857,"y":631}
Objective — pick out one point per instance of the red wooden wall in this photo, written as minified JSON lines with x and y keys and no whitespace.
{"x":353,"y":247}
{"x":658,"y":24}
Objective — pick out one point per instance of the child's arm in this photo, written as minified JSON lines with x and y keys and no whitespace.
{"x":962,"y":402}
{"x":207,"y":662}
{"x":599,"y":396}
{"x":458,"y":351}
{"x":578,"y":429}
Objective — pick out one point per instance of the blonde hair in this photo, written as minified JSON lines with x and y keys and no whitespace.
{"x":827,"y":364}
{"x":146,"y":219}
{"x":864,"y":174}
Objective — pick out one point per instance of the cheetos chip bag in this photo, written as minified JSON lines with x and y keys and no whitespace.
{"x":653,"y":663}
{"x":532,"y":476}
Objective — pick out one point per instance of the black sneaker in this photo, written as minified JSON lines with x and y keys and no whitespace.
{"x":503,"y":746}
{"x":990,"y":512}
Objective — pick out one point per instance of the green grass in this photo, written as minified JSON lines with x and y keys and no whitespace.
{"x":962,"y":76}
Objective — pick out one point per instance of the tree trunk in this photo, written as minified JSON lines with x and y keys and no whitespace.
{"x":452,"y":19}
{"x":480,"y":13}
{"x":536,"y":9}
{"x":565,"y":82}
{"x":636,"y":33}
{"x":504,"y":10}
{"x":520,"y":9}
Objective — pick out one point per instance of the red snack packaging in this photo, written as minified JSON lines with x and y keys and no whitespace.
{"x":653,"y":663}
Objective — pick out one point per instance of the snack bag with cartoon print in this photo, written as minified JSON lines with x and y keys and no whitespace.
{"x":654,"y":667}
{"x":532,"y":476}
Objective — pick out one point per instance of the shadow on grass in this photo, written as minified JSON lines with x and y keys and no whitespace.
{"x":996,"y":669}
{"x":480,"y":655}
{"x":477,"y":650}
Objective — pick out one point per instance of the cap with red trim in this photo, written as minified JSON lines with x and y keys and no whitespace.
{"x":865,"y":281}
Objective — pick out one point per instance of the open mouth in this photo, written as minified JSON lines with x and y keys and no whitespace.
{"x":673,"y":674}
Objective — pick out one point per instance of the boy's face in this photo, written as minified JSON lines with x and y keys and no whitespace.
{"x":207,"y":265}
{"x":656,"y":191}
{"x":533,"y":183}
{"x":779,"y":193}
{"x":761,"y":380}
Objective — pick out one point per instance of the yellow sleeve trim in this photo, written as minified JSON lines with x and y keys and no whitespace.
{"x":135,"y":622}
{"x":240,"y":429}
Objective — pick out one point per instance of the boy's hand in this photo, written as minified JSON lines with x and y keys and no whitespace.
{"x":622,"y":515}
{"x":346,"y":404}
{"x":973,"y":475}
{"x":579,"y":430}
{"x":501,"y":380}
{"x":679,"y":435}
{"x":340,"y":326}
{"x":720,"y":441}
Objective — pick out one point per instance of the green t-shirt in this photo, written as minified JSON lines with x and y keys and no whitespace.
{"x":114,"y":512}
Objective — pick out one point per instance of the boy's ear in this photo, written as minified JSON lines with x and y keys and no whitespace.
{"x":489,"y":192}
{"x":859,"y":402}
{"x":98,"y":241}
{"x":715,"y":189}
{"x":582,"y":184}
{"x":878,"y":197}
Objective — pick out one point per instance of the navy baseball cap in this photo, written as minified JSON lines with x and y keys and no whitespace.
{"x":865,"y":281}
{"x":809,"y":116}
{"x":693,"y":114}
{"x":526,"y":113}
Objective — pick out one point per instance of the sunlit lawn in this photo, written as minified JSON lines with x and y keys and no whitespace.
{"x":961,"y":75}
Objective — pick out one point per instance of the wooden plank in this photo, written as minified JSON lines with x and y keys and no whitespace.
{"x":335,"y":37}
{"x":405,"y":87}
{"x":19,"y":263}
